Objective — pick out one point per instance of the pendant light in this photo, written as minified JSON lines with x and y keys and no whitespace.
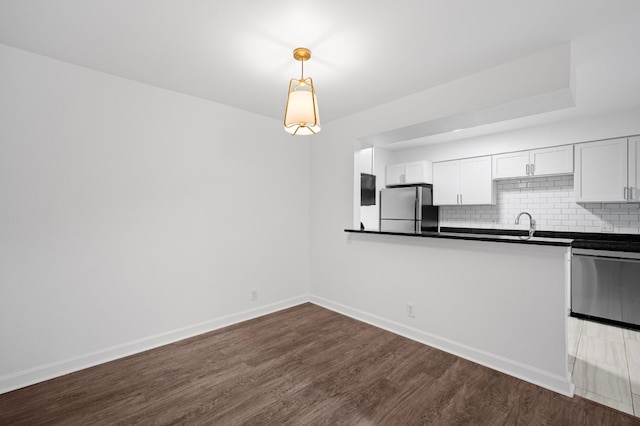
{"x":301,"y":115}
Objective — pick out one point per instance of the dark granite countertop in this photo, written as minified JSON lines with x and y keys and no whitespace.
{"x":503,"y":238}
{"x":627,"y":246}
{"x":585,"y":240}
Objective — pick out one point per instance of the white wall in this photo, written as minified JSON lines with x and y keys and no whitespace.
{"x":131,"y":216}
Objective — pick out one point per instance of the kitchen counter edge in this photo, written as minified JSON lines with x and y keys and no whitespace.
{"x":562,"y":242}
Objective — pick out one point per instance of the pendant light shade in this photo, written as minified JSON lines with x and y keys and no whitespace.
{"x":301,"y":115}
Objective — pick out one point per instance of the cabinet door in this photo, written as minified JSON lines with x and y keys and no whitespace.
{"x":557,"y":160}
{"x":510,"y":165}
{"x":446,"y":183}
{"x":601,"y":171}
{"x":476,"y":183}
{"x":418,"y":172}
{"x":394,"y":175}
{"x":634,"y":168}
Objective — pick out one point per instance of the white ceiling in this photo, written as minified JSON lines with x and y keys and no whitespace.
{"x":365,"y":52}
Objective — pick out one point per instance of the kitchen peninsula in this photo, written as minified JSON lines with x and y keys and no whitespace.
{"x":498,"y":300}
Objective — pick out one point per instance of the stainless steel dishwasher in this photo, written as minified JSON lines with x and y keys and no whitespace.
{"x":605,"y":285}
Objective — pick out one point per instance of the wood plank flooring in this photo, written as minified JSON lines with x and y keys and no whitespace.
{"x":303,"y":365}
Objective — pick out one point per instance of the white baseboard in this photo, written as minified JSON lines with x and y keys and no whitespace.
{"x":553,"y":382}
{"x":521,"y":371}
{"x":41,"y":373}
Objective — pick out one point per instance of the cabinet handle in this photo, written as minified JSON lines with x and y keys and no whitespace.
{"x":532,"y":168}
{"x":527,"y":170}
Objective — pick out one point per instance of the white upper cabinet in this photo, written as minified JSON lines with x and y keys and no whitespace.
{"x":538,"y":162}
{"x":510,"y":165}
{"x":394,"y":175}
{"x":446,"y":183}
{"x":557,"y":160}
{"x":634,"y":169}
{"x":408,"y":173}
{"x":463,"y":182}
{"x":476,"y":183}
{"x":602,"y":171}
{"x":418,"y":172}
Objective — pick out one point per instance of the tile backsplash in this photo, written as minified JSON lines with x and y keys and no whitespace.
{"x":551,"y":202}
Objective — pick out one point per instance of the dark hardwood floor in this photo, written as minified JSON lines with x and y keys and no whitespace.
{"x":304,"y":365}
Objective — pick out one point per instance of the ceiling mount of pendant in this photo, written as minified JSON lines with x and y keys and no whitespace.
{"x":301,"y":54}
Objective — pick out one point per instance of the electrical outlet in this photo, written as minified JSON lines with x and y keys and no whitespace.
{"x":411,"y":310}
{"x":254,"y":295}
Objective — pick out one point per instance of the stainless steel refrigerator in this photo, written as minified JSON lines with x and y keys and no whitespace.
{"x":408,"y":209}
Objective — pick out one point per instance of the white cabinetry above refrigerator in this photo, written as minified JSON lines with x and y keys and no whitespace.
{"x":408,"y":173}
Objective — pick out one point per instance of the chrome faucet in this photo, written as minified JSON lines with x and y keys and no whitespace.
{"x":531,"y":223}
